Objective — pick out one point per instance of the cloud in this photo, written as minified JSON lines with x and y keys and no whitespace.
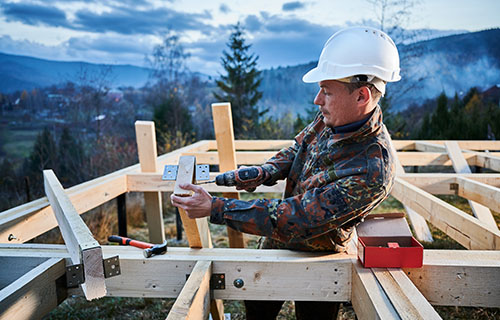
{"x":291,"y":6}
{"x":224,"y":8}
{"x":34,"y":14}
{"x":131,"y":21}
{"x":252,"y":23}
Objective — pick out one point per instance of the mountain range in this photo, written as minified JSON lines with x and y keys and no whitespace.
{"x":452,"y":64}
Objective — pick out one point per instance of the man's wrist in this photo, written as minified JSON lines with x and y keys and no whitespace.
{"x":217,"y":211}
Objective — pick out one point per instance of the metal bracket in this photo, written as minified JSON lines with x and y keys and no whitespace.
{"x":454,"y":187}
{"x":218,"y":281}
{"x":74,"y":275}
{"x":111,"y":267}
{"x":170,"y":172}
{"x":202,"y":172}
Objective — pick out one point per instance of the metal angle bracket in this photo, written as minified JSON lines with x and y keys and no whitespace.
{"x":202,"y":172}
{"x":217,"y":281}
{"x":111,"y":267}
{"x":170,"y":172}
{"x":454,"y":187}
{"x":74,"y":275}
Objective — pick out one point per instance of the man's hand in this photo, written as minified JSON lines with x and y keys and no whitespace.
{"x":198,"y":205}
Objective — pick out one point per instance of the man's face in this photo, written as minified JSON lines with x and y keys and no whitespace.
{"x":338,"y":105}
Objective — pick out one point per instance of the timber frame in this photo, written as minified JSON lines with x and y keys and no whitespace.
{"x":32,"y":276}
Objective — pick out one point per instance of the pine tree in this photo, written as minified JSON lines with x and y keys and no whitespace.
{"x":70,"y":159}
{"x":240,"y":85}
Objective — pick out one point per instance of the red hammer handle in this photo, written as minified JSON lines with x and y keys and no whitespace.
{"x":130,"y":242}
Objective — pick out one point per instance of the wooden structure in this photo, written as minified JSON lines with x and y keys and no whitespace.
{"x":200,"y":277}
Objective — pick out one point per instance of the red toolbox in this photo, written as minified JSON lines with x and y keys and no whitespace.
{"x":386,"y":242}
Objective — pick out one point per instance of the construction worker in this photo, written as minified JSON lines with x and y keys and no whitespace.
{"x":339,"y":168}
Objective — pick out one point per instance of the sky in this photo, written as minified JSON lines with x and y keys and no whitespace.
{"x":281,"y":32}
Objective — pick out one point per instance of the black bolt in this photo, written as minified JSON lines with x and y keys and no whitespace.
{"x":238,"y":283}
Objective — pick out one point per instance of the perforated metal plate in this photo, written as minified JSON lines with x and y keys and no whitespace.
{"x":170,"y":172}
{"x":74,"y":275}
{"x":111,"y":267}
{"x":202,"y":172}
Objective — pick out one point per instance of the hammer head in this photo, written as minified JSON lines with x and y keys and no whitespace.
{"x":156,"y":250}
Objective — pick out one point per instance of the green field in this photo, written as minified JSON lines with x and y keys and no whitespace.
{"x":18,"y":142}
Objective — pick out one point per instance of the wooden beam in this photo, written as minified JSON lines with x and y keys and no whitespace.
{"x":479,"y":192}
{"x":224,"y":134}
{"x":141,"y":182}
{"x":460,"y":165}
{"x":420,"y":227}
{"x":146,"y":147}
{"x":197,"y":231}
{"x":194,"y":300}
{"x":465,"y":229}
{"x":242,"y":157}
{"x":27,"y":221}
{"x":82,"y":246}
{"x":488,"y":161}
{"x":368,"y":298}
{"x":439,"y":183}
{"x":458,"y":278}
{"x":255,"y":144}
{"x":35,"y":293}
{"x":448,"y":277}
{"x":404,"y":296}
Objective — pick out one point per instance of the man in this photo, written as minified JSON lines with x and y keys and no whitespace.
{"x":339,"y":169}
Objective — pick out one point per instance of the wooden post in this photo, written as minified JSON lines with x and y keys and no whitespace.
{"x":461,"y":166}
{"x":194,"y":300}
{"x":146,"y":147}
{"x":224,"y":134}
{"x":121,"y":205}
{"x":82,"y":246}
{"x":197,"y":230}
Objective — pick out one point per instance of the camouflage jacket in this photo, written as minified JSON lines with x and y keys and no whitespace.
{"x":333,"y":181}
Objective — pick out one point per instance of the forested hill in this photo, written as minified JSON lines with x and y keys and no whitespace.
{"x":451,"y":64}
{"x":25,"y":73}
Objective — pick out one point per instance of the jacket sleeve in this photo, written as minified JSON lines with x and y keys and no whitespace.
{"x":310,"y":214}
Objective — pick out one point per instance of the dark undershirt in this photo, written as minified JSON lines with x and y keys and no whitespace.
{"x":351,"y":127}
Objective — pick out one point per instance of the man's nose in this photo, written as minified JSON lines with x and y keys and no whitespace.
{"x":318,"y":100}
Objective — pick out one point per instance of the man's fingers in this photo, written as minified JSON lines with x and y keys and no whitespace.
{"x":189,"y":186}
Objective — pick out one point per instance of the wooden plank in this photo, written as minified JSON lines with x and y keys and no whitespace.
{"x":479,"y":192}
{"x":141,"y":182}
{"x":197,"y":231}
{"x":146,"y":147}
{"x":242,"y":157}
{"x":28,"y":221}
{"x":460,"y":165}
{"x":488,"y":161}
{"x":224,"y":134}
{"x":440,"y":181}
{"x":368,"y":298}
{"x":459,"y":278}
{"x":35,"y":293}
{"x":34,"y":218}
{"x":448,"y":277}
{"x":194,"y":300}
{"x":82,"y":246}
{"x":404,"y":296}
{"x":255,"y":144}
{"x":465,"y":229}
{"x":420,"y":227}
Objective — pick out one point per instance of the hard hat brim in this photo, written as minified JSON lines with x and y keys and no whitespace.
{"x":314,"y":75}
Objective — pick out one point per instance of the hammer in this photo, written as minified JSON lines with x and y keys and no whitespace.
{"x":149,"y":248}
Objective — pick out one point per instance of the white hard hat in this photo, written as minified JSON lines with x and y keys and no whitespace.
{"x":358,"y":51}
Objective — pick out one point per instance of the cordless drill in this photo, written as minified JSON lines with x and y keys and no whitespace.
{"x":238,"y":177}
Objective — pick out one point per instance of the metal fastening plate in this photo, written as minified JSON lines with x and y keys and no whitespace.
{"x":218,"y":281}
{"x":74,"y":275}
{"x":170,"y":172}
{"x":111,"y":267}
{"x":202,"y":172}
{"x":454,"y":187}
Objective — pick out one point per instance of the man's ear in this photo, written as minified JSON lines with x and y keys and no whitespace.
{"x":364,"y":95}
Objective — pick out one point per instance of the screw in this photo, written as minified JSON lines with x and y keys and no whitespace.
{"x":11,"y":237}
{"x":238,"y":283}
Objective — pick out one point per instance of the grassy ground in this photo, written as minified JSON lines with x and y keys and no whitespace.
{"x":18,"y":142}
{"x":103,"y":223}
